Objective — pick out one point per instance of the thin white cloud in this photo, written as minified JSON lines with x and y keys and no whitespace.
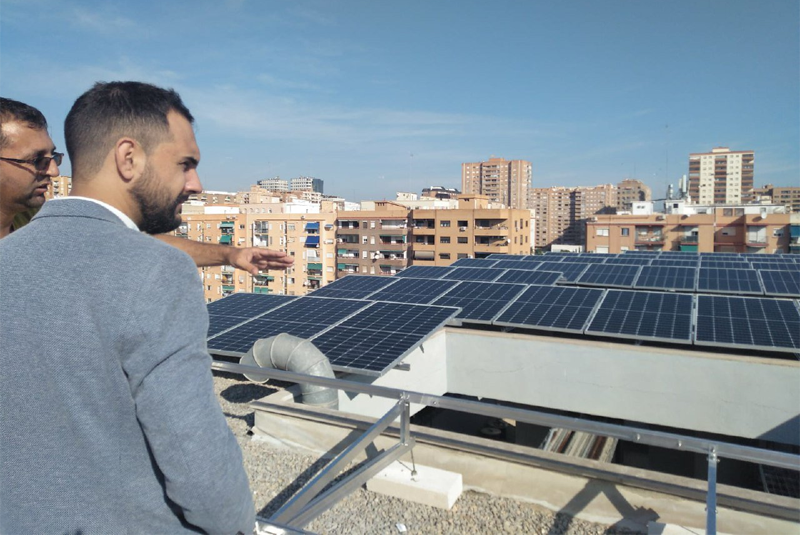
{"x":102,"y":21}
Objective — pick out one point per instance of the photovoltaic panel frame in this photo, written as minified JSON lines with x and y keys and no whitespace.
{"x":780,"y":282}
{"x":473,"y":274}
{"x":638,"y":315}
{"x":480,"y":302}
{"x":609,"y":275}
{"x":425,"y":272}
{"x":303,"y":317}
{"x":523,"y":276}
{"x":354,"y":286}
{"x":729,"y":281}
{"x":748,"y":323}
{"x":552,"y":308}
{"x":474,"y":262}
{"x":375,"y":339}
{"x":570,"y":271}
{"x":667,"y":278}
{"x":411,"y":290}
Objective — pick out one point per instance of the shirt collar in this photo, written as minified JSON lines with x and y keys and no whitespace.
{"x":123,"y":217}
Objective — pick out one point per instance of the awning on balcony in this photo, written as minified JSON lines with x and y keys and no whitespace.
{"x":341,"y":266}
{"x":689,"y":248}
{"x":225,"y":239}
{"x":423,"y":255}
{"x":315,"y":265}
{"x":312,"y":241}
{"x":312,"y":226}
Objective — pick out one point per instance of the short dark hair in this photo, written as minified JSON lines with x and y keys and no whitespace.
{"x":110,"y":110}
{"x":13,"y":110}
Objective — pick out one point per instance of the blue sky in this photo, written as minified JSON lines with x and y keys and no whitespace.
{"x":375,"y":97}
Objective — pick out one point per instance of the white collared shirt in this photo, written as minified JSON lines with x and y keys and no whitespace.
{"x":125,"y":219}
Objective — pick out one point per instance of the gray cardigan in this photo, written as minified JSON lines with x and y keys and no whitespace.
{"x":108,"y":418}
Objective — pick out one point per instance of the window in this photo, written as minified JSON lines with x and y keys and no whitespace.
{"x":372,"y":224}
{"x":729,"y":231}
{"x":777,"y":232}
{"x":462,"y":240}
{"x":462,"y":255}
{"x":290,"y":226}
{"x":624,"y":232}
{"x":463,"y":223}
{"x":602,"y":232}
{"x":444,"y":256}
{"x":363,"y":254}
{"x":727,"y":212}
{"x":444,"y":239}
{"x":444,"y":223}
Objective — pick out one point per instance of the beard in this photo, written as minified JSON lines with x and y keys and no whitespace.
{"x":158,"y":208}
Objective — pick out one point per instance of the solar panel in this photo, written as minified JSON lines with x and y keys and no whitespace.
{"x":666,"y":278}
{"x":425,"y":272}
{"x":658,"y":316}
{"x":729,"y":281}
{"x":480,"y":302}
{"x":409,"y":290}
{"x":584,"y":259}
{"x":515,"y":264}
{"x":780,"y":282}
{"x":372,"y":341}
{"x":635,"y":261}
{"x":473,"y":274}
{"x":303,"y":317}
{"x":516,"y":257}
{"x":354,"y":286}
{"x":748,"y":323}
{"x":675,"y":263}
{"x":246,"y":305}
{"x":787,"y":266}
{"x":556,"y":308}
{"x":570,"y":271}
{"x":622,"y":276}
{"x":218,"y":323}
{"x":523,"y":276}
{"x":474,"y":262}
{"x":725,"y":264}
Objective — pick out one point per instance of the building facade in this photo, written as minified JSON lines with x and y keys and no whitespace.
{"x":722,"y":229}
{"x":630,"y":191}
{"x":561,"y":213}
{"x":306,"y":183}
{"x":440,"y":237}
{"x":372,"y":242}
{"x":721,"y":176}
{"x":60,"y":186}
{"x":780,"y":195}
{"x":501,"y":180}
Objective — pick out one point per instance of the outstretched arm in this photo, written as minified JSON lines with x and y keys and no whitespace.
{"x":250,"y":259}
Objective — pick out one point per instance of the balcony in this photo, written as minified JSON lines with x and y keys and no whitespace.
{"x":689,"y":239}
{"x":347,"y":253}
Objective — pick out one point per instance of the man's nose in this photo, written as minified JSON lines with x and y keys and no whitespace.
{"x":193,"y":184}
{"x":52,"y":169}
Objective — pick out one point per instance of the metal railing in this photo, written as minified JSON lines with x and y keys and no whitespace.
{"x":714,"y":450}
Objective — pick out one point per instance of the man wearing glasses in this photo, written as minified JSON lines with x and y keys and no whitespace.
{"x":28,"y":162}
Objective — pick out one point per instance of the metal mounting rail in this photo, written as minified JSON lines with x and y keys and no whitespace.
{"x":714,"y":450}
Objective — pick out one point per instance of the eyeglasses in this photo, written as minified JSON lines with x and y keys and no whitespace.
{"x":40,"y":163}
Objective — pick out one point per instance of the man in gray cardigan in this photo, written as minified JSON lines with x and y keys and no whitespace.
{"x":108,"y":418}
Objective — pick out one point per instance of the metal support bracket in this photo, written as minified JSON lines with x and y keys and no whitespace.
{"x":308,"y":503}
{"x":711,"y":496}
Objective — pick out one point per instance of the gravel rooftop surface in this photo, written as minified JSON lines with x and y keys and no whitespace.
{"x":277,"y":473}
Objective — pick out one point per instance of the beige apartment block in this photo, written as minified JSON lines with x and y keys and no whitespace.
{"x":501,"y":180}
{"x":59,"y":187}
{"x":780,"y":195}
{"x":721,"y":229}
{"x":214,"y":198}
{"x":630,"y":191}
{"x":561,"y":212}
{"x":440,"y":237}
{"x":309,"y":238}
{"x":372,"y":242}
{"x":721,"y":176}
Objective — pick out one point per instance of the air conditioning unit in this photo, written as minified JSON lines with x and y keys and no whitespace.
{"x":660,"y":218}
{"x":462,"y":229}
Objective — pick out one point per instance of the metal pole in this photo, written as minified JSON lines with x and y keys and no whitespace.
{"x":711,"y":497}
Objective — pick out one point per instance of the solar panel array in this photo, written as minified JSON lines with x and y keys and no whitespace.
{"x":367,"y":324}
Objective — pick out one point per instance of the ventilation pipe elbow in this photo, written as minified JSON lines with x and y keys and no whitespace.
{"x":293,"y":354}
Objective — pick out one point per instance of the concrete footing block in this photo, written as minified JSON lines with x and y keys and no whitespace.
{"x":429,"y":486}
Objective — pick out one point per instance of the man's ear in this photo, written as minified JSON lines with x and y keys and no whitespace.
{"x":129,"y":158}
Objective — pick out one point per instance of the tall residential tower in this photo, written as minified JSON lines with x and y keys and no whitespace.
{"x":721,"y":176}
{"x":504,"y":181}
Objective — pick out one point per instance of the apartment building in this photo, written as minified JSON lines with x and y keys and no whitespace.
{"x":309,"y":238}
{"x":59,"y":187}
{"x":501,"y":180}
{"x":722,"y":229}
{"x":440,"y":237}
{"x":214,"y":197}
{"x":780,"y":195}
{"x":372,"y":242}
{"x":721,"y":176}
{"x":275,"y":184}
{"x":630,"y":191}
{"x":306,"y":183}
{"x":440,"y":192}
{"x":561,"y":212}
